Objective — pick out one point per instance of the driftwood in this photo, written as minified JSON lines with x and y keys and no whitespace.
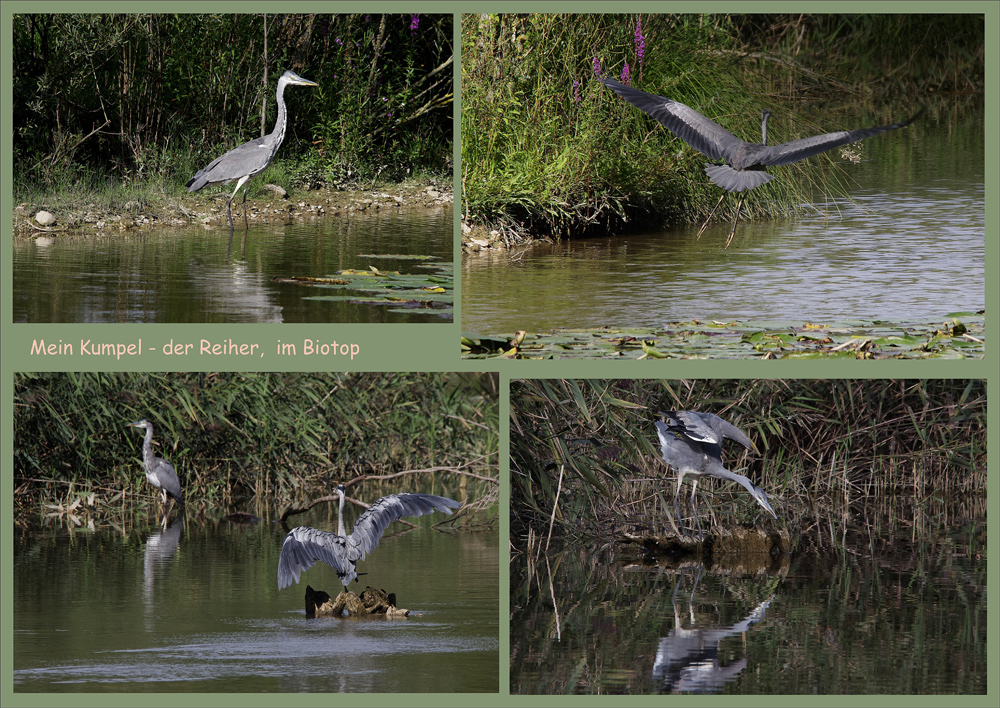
{"x":371,"y":602}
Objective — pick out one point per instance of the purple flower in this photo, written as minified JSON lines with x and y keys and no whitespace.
{"x":576,"y":92}
{"x":597,"y":65}
{"x":640,"y":41}
{"x":626,"y":79}
{"x":414,"y":23}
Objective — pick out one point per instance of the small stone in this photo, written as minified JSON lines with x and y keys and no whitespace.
{"x":44,"y":218}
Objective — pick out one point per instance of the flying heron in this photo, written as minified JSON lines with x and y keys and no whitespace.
{"x":304,"y":546}
{"x":691,"y":443}
{"x":745,"y":163}
{"x":249,"y":159}
{"x":159,"y":472}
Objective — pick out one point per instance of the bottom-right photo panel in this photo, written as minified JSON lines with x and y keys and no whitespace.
{"x":748,"y":536}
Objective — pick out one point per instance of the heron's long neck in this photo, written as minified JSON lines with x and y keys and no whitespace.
{"x":340,"y":517}
{"x":763,"y":128}
{"x":147,"y":446}
{"x":278,"y":134}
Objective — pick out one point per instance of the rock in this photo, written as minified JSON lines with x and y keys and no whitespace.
{"x":44,"y":218}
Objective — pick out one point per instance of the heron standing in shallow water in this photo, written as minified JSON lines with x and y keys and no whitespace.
{"x":744,"y":162}
{"x":691,"y":443}
{"x":159,"y":472}
{"x":303,"y":546}
{"x":249,"y":159}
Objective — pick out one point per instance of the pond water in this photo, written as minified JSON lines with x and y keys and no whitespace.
{"x":909,"y":243}
{"x":186,"y":275}
{"x":860,"y":615}
{"x":196,"y":608}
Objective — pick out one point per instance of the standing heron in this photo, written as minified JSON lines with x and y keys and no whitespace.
{"x":249,"y":159}
{"x":691,"y":443}
{"x":744,"y":162}
{"x":304,"y":546}
{"x":159,"y":472}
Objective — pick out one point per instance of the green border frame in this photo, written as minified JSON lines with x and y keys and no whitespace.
{"x":435,"y":347}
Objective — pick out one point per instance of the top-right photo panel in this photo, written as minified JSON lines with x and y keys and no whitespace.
{"x":723,"y":186}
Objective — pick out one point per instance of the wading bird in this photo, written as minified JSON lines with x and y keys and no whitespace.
{"x":304,"y":546}
{"x":744,"y":162}
{"x":691,"y":443}
{"x":249,"y":159}
{"x":159,"y":472}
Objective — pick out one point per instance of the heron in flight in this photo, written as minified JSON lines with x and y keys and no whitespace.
{"x":249,"y":159}
{"x":159,"y":472}
{"x":304,"y":546}
{"x":745,"y":163}
{"x":691,"y":443}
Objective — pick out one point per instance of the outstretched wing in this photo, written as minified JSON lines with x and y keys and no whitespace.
{"x":370,"y":526}
{"x":304,"y":546}
{"x":706,"y":427}
{"x":704,"y":135}
{"x":800,"y":149}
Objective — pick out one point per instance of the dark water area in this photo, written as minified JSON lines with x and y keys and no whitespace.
{"x":185,"y":274}
{"x":196,"y":608}
{"x":886,"y":616}
{"x":908,"y":243}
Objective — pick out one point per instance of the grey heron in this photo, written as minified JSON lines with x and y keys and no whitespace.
{"x":249,"y":159}
{"x":691,"y":443}
{"x":159,"y":472}
{"x":303,"y":546}
{"x":745,"y":163}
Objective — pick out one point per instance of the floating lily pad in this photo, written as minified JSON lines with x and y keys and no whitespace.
{"x":962,"y":335}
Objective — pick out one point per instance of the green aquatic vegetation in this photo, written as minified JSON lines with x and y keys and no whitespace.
{"x":961,"y":336}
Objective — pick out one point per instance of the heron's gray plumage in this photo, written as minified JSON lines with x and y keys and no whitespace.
{"x":303,"y":546}
{"x":251,"y":158}
{"x":691,"y":443}
{"x":159,"y":472}
{"x":744,"y":162}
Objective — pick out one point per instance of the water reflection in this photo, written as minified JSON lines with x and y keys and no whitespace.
{"x":847,"y":614}
{"x":687,"y":659}
{"x":184,"y":275}
{"x":195,"y":607}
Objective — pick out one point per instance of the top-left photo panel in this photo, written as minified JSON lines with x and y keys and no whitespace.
{"x":235,"y":168}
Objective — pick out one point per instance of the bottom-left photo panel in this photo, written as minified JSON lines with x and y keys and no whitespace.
{"x":256,"y":532}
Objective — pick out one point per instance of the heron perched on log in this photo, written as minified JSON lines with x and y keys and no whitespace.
{"x":744,"y":163}
{"x":249,"y":159}
{"x":691,"y":443}
{"x":303,"y":546}
{"x":159,"y":472}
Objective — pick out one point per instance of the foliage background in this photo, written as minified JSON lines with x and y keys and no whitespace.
{"x":266,"y":437}
{"x":154,"y":97}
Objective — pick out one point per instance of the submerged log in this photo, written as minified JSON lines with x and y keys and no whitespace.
{"x":721,"y":543}
{"x":371,"y":602}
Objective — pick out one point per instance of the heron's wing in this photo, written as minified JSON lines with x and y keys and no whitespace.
{"x":370,"y":526}
{"x":167,"y":477}
{"x":246,"y":159}
{"x":731,"y":432}
{"x":699,"y":426}
{"x":304,"y":546}
{"x":704,"y":135}
{"x":800,"y":149}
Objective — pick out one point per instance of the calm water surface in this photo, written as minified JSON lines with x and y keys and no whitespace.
{"x":908,"y":244}
{"x":184,"y":275}
{"x":879,"y":616}
{"x":197,"y":608}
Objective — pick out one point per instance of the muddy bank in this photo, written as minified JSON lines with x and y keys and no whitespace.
{"x":272,"y":205}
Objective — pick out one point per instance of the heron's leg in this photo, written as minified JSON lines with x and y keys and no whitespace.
{"x":694,"y":508}
{"x":733,"y":232}
{"x":677,"y":508}
{"x":711,"y":214}
{"x":246,"y":224}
